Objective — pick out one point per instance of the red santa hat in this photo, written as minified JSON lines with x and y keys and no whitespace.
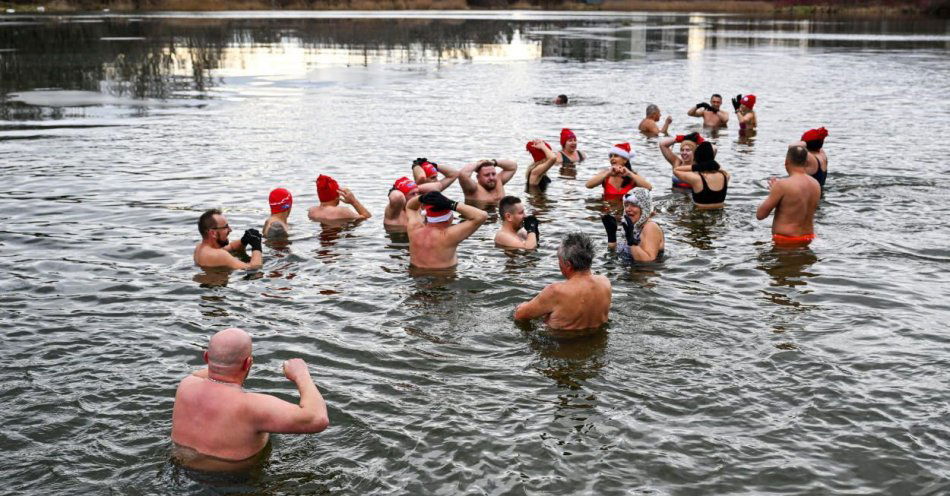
{"x":434,"y":214}
{"x":623,"y":150}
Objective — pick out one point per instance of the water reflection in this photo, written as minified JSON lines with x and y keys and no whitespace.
{"x":788,"y":268}
{"x":570,"y":359}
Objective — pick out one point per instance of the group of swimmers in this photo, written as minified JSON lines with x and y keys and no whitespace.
{"x":217,"y":426}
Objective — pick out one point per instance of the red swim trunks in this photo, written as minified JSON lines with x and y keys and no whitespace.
{"x":781,"y":239}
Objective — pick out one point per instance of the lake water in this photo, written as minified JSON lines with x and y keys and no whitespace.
{"x":730,"y":368}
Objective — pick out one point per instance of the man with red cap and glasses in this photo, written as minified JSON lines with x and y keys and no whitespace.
{"x":569,"y":155}
{"x":794,"y":199}
{"x":403,"y":190}
{"x":489,"y":183}
{"x":275,"y":227}
{"x":712,"y":115}
{"x":543,"y":158}
{"x":814,"y":140}
{"x":433,"y":241}
{"x":331,"y":194}
{"x":744,"y":112}
{"x":425,"y":172}
{"x":214,"y":250}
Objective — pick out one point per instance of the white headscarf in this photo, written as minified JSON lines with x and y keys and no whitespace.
{"x":642,"y":198}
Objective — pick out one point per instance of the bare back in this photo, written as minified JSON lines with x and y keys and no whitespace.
{"x":431,"y":248}
{"x":795,"y":212}
{"x":213,"y":419}
{"x":814,"y":158}
{"x":323,"y":213}
{"x":581,"y":302}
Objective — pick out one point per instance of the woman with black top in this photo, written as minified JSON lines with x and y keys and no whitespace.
{"x":708,"y":181}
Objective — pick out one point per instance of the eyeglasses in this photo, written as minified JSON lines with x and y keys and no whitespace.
{"x":226,"y":226}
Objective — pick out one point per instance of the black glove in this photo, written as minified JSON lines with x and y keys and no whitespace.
{"x":252,"y":238}
{"x":703,"y":105}
{"x":437,"y":200}
{"x":419,"y":161}
{"x":735,"y":102}
{"x":610,"y":224}
{"x":632,"y":239}
{"x":531,"y":225}
{"x":693,"y":136}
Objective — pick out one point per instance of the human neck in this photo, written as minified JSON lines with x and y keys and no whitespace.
{"x":331,"y":203}
{"x":281,"y":216}
{"x":223,"y":379}
{"x":574,"y":274}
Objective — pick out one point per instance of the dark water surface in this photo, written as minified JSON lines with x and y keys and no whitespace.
{"x":730,"y":368}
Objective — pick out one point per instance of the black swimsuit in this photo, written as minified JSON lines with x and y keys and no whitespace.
{"x":707,"y":196}
{"x":567,"y":162}
{"x":820,"y":175}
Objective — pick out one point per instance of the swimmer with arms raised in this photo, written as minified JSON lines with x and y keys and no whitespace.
{"x":511,"y":234}
{"x":744,"y":112}
{"x":489,"y":183}
{"x":543,"y":158}
{"x":331,"y":194}
{"x":580,"y":302}
{"x":217,"y":426}
{"x":794,"y":199}
{"x":275,"y":227}
{"x":214,"y":250}
{"x":434,"y":241}
{"x":712,"y":115}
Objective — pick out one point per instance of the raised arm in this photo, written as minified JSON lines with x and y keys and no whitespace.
{"x":666,"y":125}
{"x":271,"y":414}
{"x":685,"y":173}
{"x":723,"y":116}
{"x":450,"y":174}
{"x":474,"y":216}
{"x":395,"y":205}
{"x":598,"y":179}
{"x":469,"y":186}
{"x":508,"y":169}
{"x":540,"y":305}
{"x":347,"y":196}
{"x":666,"y":148}
{"x":745,"y":117}
{"x":771,"y":201}
{"x":534,"y":177}
{"x":413,"y":217}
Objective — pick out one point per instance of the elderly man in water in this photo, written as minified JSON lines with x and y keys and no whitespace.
{"x":214,"y":250}
{"x":794,"y":199}
{"x":433,"y":243}
{"x":648,"y":125}
{"x":580,"y":302}
{"x":218,"y":426}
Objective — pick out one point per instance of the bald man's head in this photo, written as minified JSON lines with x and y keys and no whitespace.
{"x":228,"y":350}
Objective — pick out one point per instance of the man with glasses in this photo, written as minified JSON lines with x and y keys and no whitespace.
{"x":215,"y":250}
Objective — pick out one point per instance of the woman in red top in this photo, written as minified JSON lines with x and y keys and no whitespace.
{"x":618,"y":179}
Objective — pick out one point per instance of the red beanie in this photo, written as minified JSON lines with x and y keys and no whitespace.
{"x":404,"y":185}
{"x":815,"y":134}
{"x":567,"y":134}
{"x":280,"y":200}
{"x":327,"y":188}
{"x":748,"y":101}
{"x":536,"y":154}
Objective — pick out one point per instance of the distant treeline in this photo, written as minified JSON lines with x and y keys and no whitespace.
{"x":940,"y":8}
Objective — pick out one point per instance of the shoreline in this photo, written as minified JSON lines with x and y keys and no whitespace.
{"x":939,"y":9}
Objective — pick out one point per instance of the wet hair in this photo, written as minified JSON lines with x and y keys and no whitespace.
{"x":507,"y":205}
{"x":577,"y":249}
{"x":814,"y":145}
{"x":562,"y":99}
{"x":797,"y":155}
{"x":716,"y":95}
{"x":206,"y":221}
{"x":652,"y":109}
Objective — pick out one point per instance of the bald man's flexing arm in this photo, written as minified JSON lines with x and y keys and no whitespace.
{"x":271,"y":414}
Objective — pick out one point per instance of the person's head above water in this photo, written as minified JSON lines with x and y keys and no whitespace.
{"x":748,"y":101}
{"x":328,"y":191}
{"x":213,"y":226}
{"x":280,"y":201}
{"x":638,"y":206}
{"x":797,"y":157}
{"x":229,"y":354}
{"x":715,"y":101}
{"x":620,"y":155}
{"x":653,"y":112}
{"x":705,"y":158}
{"x":561,"y":100}
{"x":575,"y":253}
{"x":512,"y":211}
{"x":568,"y":139}
{"x":815,"y":139}
{"x":486,"y":174}
{"x":407,"y":187}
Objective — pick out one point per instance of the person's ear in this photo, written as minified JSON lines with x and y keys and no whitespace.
{"x":205,"y":356}
{"x":247,"y":363}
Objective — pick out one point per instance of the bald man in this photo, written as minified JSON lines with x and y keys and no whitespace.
{"x":217,"y":426}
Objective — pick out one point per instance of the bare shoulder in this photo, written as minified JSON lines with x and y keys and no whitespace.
{"x":602,"y":280}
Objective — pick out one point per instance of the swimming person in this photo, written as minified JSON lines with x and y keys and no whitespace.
{"x":794,"y":199}
{"x":744,"y":112}
{"x":569,"y":155}
{"x":330,"y":195}
{"x":275,"y":227}
{"x":489,"y":184}
{"x":433,"y":242}
{"x":643,"y":238}
{"x":511,"y":234}
{"x":217,"y":426}
{"x":561,"y":100}
{"x":580,"y":302}
{"x":620,"y":177}
{"x":648,"y":125}
{"x":214,"y":250}
{"x":688,"y":145}
{"x":543,"y":158}
{"x":814,"y":141}
{"x":424,"y":172}
{"x":712,"y":114}
{"x":709,"y":182}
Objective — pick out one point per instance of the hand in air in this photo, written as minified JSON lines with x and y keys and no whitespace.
{"x":296,"y":369}
{"x":346,"y":196}
{"x":669,"y":119}
{"x":735,"y":102}
{"x":252,"y":238}
{"x":633,"y":239}
{"x":531,"y":224}
{"x":437,"y":200}
{"x":703,"y":105}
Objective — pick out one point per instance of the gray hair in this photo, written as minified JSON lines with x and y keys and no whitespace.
{"x":578,"y":250}
{"x":652,"y":109}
